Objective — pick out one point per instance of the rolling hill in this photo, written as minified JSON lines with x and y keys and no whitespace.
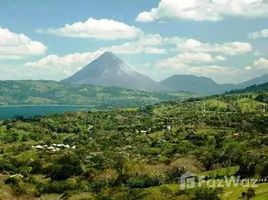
{"x":252,"y":88}
{"x":56,"y":93}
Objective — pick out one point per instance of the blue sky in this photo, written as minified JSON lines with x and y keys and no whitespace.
{"x":226,"y":40}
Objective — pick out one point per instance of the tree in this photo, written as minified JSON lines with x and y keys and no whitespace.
{"x":264,"y":171}
{"x":207,"y":194}
{"x":248,"y":164}
{"x":250,"y":193}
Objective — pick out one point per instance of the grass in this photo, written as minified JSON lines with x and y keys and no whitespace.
{"x":221,"y":172}
{"x":235,"y":193}
{"x":157,"y":135}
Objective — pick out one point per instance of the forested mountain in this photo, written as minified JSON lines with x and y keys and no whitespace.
{"x":56,"y":93}
{"x":255,"y":81}
{"x":252,"y":88}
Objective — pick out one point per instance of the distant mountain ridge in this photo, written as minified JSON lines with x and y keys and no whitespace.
{"x":206,"y":86}
{"x":252,"y":88}
{"x":198,"y":85}
{"x":109,"y":70}
{"x":255,"y":81}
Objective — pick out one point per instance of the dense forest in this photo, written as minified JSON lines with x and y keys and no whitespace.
{"x":138,"y":153}
{"x":56,"y":93}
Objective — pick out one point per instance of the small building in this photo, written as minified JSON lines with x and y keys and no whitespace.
{"x":50,"y":148}
{"x":169,"y":127}
{"x":236,"y":134}
{"x":144,"y":132}
{"x":39,"y":147}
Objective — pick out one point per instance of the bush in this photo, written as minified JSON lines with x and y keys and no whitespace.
{"x":207,"y":194}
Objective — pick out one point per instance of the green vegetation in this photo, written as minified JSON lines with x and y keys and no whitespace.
{"x":138,"y":153}
{"x":253,"y":88}
{"x":56,"y":93}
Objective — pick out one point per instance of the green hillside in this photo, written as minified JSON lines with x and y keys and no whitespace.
{"x":253,"y":88}
{"x":55,"y":93}
{"x":139,"y":153}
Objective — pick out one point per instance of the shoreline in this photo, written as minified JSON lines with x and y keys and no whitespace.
{"x":6,"y":106}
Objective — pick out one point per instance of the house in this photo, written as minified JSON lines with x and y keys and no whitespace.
{"x":143,"y":131}
{"x":53,"y":147}
{"x":39,"y":147}
{"x":16,"y":175}
{"x":50,"y":148}
{"x":169,"y":127}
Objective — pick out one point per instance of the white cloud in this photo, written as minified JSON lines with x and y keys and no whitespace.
{"x":195,"y":64}
{"x":135,"y":48}
{"x":247,"y":68}
{"x":151,"y":40}
{"x":67,"y":64}
{"x":198,"y":58}
{"x":17,"y":46}
{"x":11,"y":57}
{"x":205,"y":10}
{"x":261,"y":64}
{"x":147,"y":44}
{"x":182,"y":62}
{"x":190,"y":45}
{"x":259,"y":34}
{"x":234,"y":48}
{"x":258,"y":68}
{"x":218,"y":73}
{"x":145,"y":17}
{"x":100,"y":29}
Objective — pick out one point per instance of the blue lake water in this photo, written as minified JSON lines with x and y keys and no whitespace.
{"x":30,"y":111}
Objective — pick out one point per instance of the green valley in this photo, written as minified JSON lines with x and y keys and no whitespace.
{"x":139,"y":153}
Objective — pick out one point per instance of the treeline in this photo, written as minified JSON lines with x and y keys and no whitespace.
{"x":56,"y":93}
{"x":253,"y":88}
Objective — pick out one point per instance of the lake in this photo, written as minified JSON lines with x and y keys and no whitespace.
{"x":30,"y":111}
